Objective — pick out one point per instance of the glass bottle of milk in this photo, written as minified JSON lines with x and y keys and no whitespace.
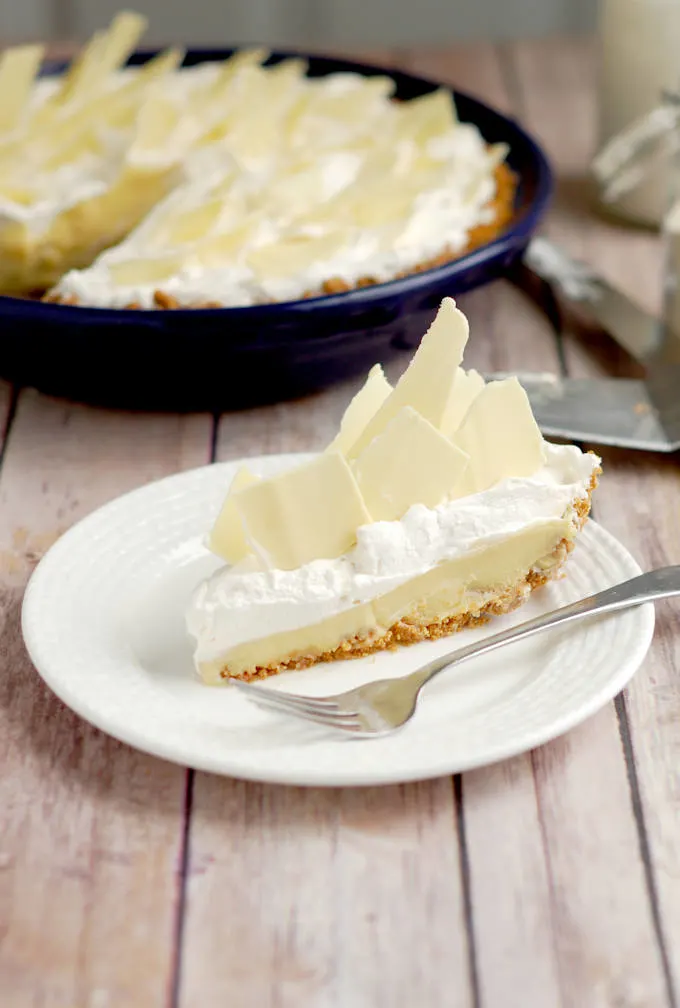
{"x":639,"y":59}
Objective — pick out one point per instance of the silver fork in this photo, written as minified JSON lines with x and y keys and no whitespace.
{"x":385,"y":705}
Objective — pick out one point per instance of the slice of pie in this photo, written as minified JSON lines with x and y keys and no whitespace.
{"x":437,"y":505}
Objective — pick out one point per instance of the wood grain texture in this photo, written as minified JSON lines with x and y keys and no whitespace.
{"x":512,"y":907}
{"x":311,"y":898}
{"x":638,"y":502}
{"x":476,"y":69}
{"x":592,"y":840}
{"x":649,"y":523}
{"x":90,"y":830}
{"x":303,"y":425}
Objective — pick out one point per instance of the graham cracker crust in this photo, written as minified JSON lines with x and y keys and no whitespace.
{"x":409,"y":630}
{"x":502,"y":206}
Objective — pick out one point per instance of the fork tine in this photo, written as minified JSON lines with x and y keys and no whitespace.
{"x":289,"y":700}
{"x":343,"y":723}
{"x":282,"y":703}
{"x":317,"y":703}
{"x":311,"y":707}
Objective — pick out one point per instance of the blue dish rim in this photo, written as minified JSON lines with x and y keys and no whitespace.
{"x":357,"y":297}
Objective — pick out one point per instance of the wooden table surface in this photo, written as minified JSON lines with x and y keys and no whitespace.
{"x":550,"y":880}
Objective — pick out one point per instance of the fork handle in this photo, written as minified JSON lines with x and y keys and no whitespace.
{"x":657,"y":584}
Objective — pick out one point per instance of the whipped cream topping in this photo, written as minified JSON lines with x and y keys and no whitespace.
{"x":54,"y":190}
{"x":292,"y":214}
{"x":236,"y":603}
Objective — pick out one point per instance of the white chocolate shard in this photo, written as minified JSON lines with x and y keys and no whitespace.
{"x":409,"y":463}
{"x":362,"y":407}
{"x":427,"y":383}
{"x":501,"y":436}
{"x":308,"y":513}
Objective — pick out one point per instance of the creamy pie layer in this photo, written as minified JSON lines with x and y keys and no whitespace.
{"x":434,"y":565}
{"x":453,"y":589}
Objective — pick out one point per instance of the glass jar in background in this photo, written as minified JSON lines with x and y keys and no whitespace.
{"x":639,"y":44}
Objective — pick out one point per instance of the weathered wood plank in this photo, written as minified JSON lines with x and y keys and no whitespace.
{"x":542,"y":910}
{"x":509,"y":874}
{"x":476,"y":69}
{"x":303,"y":425}
{"x":314,"y":898}
{"x":603,"y":916}
{"x":90,"y":830}
{"x":650,"y":525}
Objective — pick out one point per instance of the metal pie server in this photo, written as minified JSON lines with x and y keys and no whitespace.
{"x":627,"y":412}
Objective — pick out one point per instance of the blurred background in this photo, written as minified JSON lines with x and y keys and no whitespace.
{"x":321,"y":23}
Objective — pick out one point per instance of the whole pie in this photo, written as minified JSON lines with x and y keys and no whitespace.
{"x":229,"y":183}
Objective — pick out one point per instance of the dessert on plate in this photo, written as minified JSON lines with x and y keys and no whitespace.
{"x":228,"y":183}
{"x":437,"y":505}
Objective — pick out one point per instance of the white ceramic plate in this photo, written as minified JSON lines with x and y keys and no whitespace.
{"x":103,"y":623}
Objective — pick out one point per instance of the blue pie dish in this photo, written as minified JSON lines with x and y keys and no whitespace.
{"x":231,"y":358}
